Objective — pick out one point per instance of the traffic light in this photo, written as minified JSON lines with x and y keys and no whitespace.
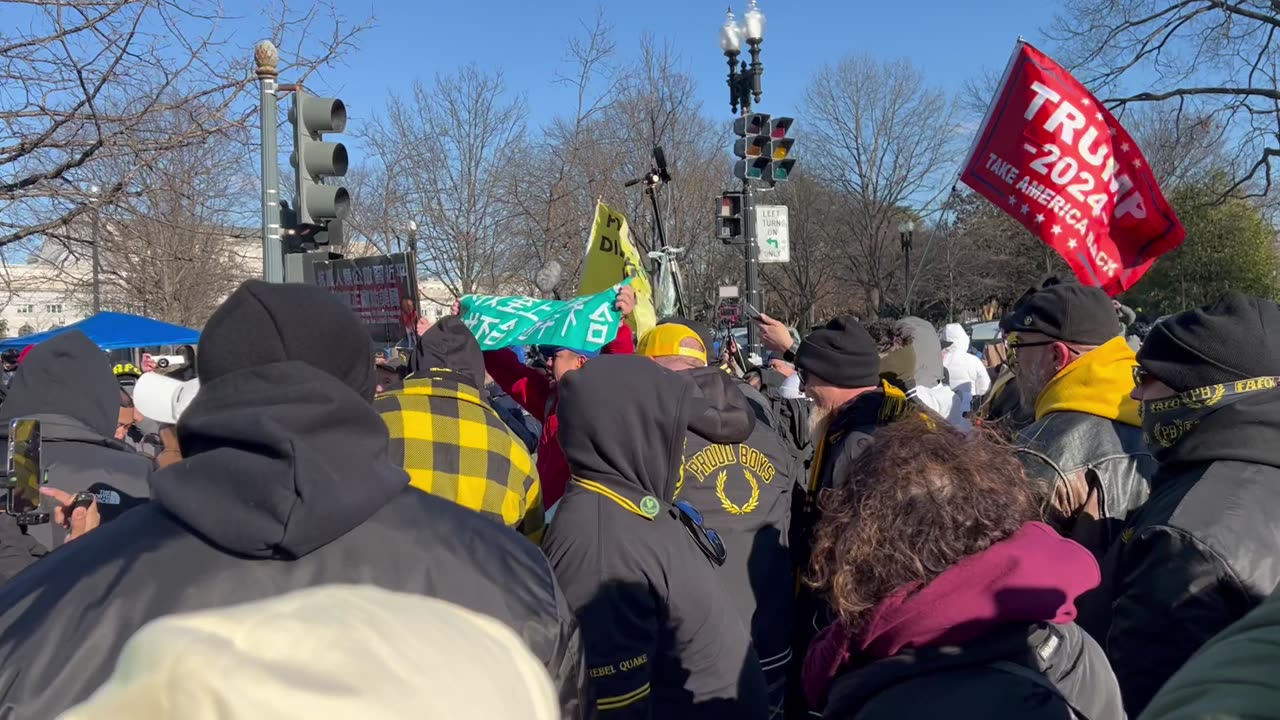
{"x":751,"y":124}
{"x":780,"y":149}
{"x":757,"y":168}
{"x":729,"y":217}
{"x":763,"y":148}
{"x":752,"y":146}
{"x":317,"y":204}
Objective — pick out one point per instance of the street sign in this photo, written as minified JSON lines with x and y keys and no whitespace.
{"x":728,"y":291}
{"x":773,"y":234}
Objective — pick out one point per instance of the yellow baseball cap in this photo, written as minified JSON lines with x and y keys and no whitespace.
{"x":666,"y":340}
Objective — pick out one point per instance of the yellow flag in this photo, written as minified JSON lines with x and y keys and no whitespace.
{"x":610,"y":258}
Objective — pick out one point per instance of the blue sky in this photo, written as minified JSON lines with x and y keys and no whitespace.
{"x":415,"y":39}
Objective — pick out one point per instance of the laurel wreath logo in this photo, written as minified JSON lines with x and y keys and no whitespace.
{"x":752,"y":503}
{"x":1211,"y":398}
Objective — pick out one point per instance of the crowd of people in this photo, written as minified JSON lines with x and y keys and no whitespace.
{"x":871,"y":521}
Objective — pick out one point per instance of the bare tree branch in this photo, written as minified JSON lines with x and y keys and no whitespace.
{"x":1216,"y":53}
{"x":887,"y":142}
{"x":85,"y":82}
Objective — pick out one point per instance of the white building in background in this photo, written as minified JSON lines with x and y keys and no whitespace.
{"x":39,"y":296}
{"x":434,"y":299}
{"x":50,"y":289}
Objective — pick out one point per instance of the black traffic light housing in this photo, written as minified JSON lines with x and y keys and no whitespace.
{"x":763,"y":148}
{"x":780,"y":147}
{"x":729,"y":217}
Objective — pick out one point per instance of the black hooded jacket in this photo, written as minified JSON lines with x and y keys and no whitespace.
{"x":660,"y":635}
{"x":1029,"y":673}
{"x":286,"y":484}
{"x":66,"y":383}
{"x":742,"y":485}
{"x":450,"y":345}
{"x":1200,"y":554}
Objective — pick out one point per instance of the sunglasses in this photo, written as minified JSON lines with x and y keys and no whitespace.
{"x":1014,"y":346}
{"x":708,"y":540}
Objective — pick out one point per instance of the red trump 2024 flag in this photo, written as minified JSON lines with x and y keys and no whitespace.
{"x":1055,"y":159}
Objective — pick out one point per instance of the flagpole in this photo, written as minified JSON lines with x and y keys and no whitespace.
{"x":986,"y":117}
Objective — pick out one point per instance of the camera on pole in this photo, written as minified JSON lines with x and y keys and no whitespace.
{"x":318,"y":208}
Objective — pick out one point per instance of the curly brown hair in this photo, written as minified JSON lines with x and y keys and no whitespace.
{"x":920,"y":498}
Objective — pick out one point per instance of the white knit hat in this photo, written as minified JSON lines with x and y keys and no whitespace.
{"x":335,"y":651}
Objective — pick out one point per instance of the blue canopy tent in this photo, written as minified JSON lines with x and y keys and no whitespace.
{"x":116,"y":331}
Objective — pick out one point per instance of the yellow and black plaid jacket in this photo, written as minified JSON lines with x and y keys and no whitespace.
{"x":454,"y":446}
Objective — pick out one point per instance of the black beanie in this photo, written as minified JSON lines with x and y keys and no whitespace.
{"x":1236,"y":338}
{"x":265,"y":323}
{"x":842,"y":353}
{"x":449,"y":344}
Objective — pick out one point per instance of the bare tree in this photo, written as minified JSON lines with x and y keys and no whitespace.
{"x":804,"y":288}
{"x":622,"y":112}
{"x":83,"y":81}
{"x":886,"y":141}
{"x":1212,"y":59}
{"x":172,"y":248}
{"x":657,"y":105}
{"x":554,"y":187}
{"x":1180,"y":147}
{"x":445,"y":152}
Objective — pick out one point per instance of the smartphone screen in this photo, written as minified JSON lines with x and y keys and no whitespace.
{"x":24,"y":466}
{"x":750,"y":310}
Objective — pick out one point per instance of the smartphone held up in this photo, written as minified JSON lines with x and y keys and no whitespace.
{"x":25,"y":474}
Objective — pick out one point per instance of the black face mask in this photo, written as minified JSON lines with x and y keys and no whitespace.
{"x":1166,"y":421}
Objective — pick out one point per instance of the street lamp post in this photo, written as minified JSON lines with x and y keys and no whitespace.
{"x":905,"y":231}
{"x":413,"y":237}
{"x":744,"y":90}
{"x":267,"y":59}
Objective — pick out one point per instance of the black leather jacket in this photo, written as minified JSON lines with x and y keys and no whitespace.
{"x":1199,"y":555}
{"x":1095,"y":472}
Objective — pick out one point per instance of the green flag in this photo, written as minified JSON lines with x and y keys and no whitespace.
{"x":583,"y":323}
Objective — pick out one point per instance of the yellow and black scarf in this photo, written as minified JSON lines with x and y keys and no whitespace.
{"x":1167,"y":421}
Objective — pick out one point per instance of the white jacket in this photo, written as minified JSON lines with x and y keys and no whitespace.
{"x":943,"y":401}
{"x":966,"y":373}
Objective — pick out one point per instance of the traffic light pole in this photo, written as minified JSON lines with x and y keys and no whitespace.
{"x":268,"y":59}
{"x":753,"y":265}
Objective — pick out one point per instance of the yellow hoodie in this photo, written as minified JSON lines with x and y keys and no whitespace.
{"x":1098,"y":383}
